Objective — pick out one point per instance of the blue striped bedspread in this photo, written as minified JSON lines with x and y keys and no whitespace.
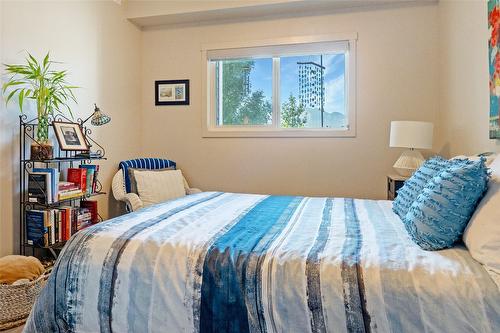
{"x":226,"y":262}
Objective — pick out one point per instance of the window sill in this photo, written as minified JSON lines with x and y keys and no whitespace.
{"x":277,"y":133}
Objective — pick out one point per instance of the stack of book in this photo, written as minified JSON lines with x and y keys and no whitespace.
{"x":91,"y":177}
{"x":69,"y":190}
{"x":46,"y":227}
{"x":50,"y":226}
{"x":91,"y":205}
{"x":85,"y":177}
{"x":43,"y":185}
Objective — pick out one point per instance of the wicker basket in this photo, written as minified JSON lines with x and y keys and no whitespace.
{"x":16,"y":301}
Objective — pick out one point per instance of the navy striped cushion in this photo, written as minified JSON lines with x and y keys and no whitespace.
{"x":414,"y":186}
{"x":143,"y":163}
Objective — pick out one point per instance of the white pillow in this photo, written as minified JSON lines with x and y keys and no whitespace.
{"x":482,"y":235}
{"x":158,"y":186}
{"x":490,"y":157}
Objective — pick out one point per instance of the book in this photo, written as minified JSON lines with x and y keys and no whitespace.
{"x":53,"y":214}
{"x":63,"y":224}
{"x":78,"y":176}
{"x":67,"y":186}
{"x":70,"y":194}
{"x":35,"y":227}
{"x":83,"y":219}
{"x":67,"y":221}
{"x":91,"y":173}
{"x":46,"y":225}
{"x":59,"y":225}
{"x":69,"y":190}
{"x":51,"y":226}
{"x":89,"y":155}
{"x":39,"y":187}
{"x":91,"y":205}
{"x":96,"y":173}
{"x":55,"y":226}
{"x":54,"y":179}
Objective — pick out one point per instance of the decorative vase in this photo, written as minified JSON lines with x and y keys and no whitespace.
{"x":42,"y":148}
{"x":44,"y":151}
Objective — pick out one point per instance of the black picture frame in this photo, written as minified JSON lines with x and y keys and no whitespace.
{"x":73,"y":140}
{"x":171,"y":95}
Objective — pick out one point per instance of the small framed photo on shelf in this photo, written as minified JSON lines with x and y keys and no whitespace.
{"x":70,"y":136}
{"x":172,"y":92}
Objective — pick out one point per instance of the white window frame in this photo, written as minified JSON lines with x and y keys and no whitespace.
{"x":209,"y":125}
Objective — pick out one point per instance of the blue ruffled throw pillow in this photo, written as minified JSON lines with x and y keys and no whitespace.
{"x":437,"y":219}
{"x":415,"y":184}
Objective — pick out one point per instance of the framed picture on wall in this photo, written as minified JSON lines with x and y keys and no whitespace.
{"x":70,"y":136}
{"x":172,"y":92}
{"x":494,"y":66}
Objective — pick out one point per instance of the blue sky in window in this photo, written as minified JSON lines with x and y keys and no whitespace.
{"x":261,"y":79}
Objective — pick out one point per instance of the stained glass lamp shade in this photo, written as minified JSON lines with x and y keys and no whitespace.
{"x":98,"y":118}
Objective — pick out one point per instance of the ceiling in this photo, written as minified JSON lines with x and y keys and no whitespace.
{"x":146,"y":13}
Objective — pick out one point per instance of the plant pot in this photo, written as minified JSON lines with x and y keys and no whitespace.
{"x":42,"y":151}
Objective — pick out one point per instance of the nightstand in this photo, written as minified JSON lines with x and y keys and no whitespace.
{"x":394,"y":183}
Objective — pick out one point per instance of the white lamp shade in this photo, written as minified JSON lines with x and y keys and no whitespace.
{"x":411,"y":134}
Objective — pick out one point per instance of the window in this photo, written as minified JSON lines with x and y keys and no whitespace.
{"x":244,"y":90}
{"x":312,"y":91}
{"x":294,"y":87}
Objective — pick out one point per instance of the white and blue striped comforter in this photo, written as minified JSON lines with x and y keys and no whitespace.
{"x":223,"y":262}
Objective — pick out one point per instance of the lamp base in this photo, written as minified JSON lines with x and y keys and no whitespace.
{"x":408,"y":162}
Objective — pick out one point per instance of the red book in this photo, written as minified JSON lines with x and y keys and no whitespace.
{"x":66,"y":223}
{"x":70,"y":223}
{"x":79,"y":177}
{"x":74,"y":219}
{"x":92,"y":206}
{"x":63,"y":225}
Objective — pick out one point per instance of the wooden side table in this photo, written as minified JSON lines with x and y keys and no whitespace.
{"x":394,"y":183}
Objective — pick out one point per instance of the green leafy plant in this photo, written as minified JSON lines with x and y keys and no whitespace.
{"x":48,"y":88}
{"x":293,"y":113}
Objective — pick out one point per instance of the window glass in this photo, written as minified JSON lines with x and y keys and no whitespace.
{"x":312,"y":91}
{"x":244,"y":92}
{"x":303,"y":87}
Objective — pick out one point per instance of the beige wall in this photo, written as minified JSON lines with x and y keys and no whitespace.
{"x":464,"y":94}
{"x":397,"y":80}
{"x":101,"y":50}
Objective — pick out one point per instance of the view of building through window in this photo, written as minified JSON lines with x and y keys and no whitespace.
{"x":311,"y":91}
{"x":316,"y":85}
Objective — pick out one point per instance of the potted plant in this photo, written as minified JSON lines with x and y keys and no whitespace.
{"x":48,"y":88}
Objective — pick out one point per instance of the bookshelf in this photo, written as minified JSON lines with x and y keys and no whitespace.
{"x":62,"y":161}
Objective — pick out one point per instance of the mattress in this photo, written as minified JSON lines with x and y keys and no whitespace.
{"x":228,"y":262}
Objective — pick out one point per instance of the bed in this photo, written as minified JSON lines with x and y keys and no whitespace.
{"x":228,"y":262}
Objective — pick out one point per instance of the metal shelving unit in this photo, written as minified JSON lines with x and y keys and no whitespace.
{"x":62,"y":160}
